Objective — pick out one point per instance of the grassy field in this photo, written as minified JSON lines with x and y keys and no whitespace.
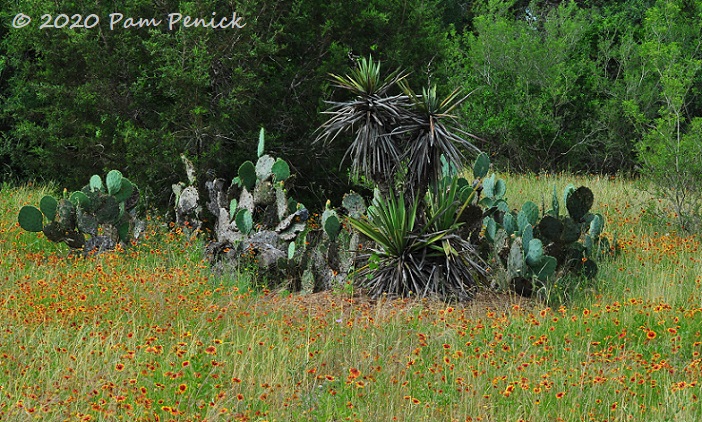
{"x":151,"y":333}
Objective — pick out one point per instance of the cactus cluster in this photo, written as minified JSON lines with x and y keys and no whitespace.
{"x":98,"y":205}
{"x":535,"y":249}
{"x":254,"y":217}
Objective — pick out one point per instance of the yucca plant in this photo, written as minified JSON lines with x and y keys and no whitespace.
{"x":430,"y":132}
{"x":413,"y":259}
{"x":371,"y":115}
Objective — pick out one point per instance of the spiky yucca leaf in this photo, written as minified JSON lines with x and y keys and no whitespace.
{"x":415,"y":260}
{"x":371,"y":115}
{"x":431,"y":132}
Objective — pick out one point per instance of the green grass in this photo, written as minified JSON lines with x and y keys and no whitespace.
{"x":152,"y":333}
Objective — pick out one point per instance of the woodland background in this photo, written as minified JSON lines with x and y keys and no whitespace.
{"x":582,"y":86}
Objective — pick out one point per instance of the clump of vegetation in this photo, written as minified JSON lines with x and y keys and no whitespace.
{"x":104,"y":212}
{"x":536,"y":249}
{"x":408,"y":144}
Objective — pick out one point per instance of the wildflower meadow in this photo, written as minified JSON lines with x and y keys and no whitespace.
{"x":151,"y":333}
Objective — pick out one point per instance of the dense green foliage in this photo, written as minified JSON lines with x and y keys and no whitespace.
{"x":586,"y":85}
{"x":75,"y":101}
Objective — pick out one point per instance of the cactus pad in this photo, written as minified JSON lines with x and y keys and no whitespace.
{"x":291,"y":250}
{"x":354,"y":204}
{"x":550,"y":228}
{"x":31,"y":219}
{"x":80,"y":199}
{"x":332,"y":227}
{"x":579,"y":203}
{"x":490,"y":228}
{"x":264,"y":166}
{"x":596,"y":226}
{"x":545,"y":268}
{"x":515,"y":260}
{"x":261,"y":142}
{"x":531,"y":211}
{"x":232,"y":208}
{"x":535,"y":253}
{"x":281,"y":170}
{"x":96,"y":183}
{"x":247,"y":175}
{"x":113,"y":181}
{"x":481,"y":166}
{"x":48,"y":205}
{"x":244,"y":221}
{"x":509,"y":223}
{"x":125,"y":191}
{"x":489,"y":186}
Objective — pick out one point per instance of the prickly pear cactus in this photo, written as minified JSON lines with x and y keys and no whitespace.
{"x":354,"y":204}
{"x":535,"y":251}
{"x":280,"y":170}
{"x":31,"y":219}
{"x":82,"y":213}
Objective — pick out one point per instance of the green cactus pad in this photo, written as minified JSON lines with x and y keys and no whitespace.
{"x":329,"y":212}
{"x":509,"y":223}
{"x":579,"y":203}
{"x":125,"y":191}
{"x":490,"y":228}
{"x":535,"y":253}
{"x":332,"y":227}
{"x":500,"y":188}
{"x":522,"y":221}
{"x":527,"y":235}
{"x":555,"y":206}
{"x":31,"y":219}
{"x":80,"y":199}
{"x":48,"y":205}
{"x":531,"y":211}
{"x":244,"y":221}
{"x":489,"y":186}
{"x":515,"y":261}
{"x":545,"y":268}
{"x":481,"y":166}
{"x":261,"y":142}
{"x":107,"y":210}
{"x":291,"y":250}
{"x":113,"y":181}
{"x":354,"y":204}
{"x":596,"y":226}
{"x":96,"y":184}
{"x":247,"y":175}
{"x":280,"y":170}
{"x":550,"y":228}
{"x":232,"y":208}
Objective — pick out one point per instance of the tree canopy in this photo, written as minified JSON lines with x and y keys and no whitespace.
{"x":558,"y":85}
